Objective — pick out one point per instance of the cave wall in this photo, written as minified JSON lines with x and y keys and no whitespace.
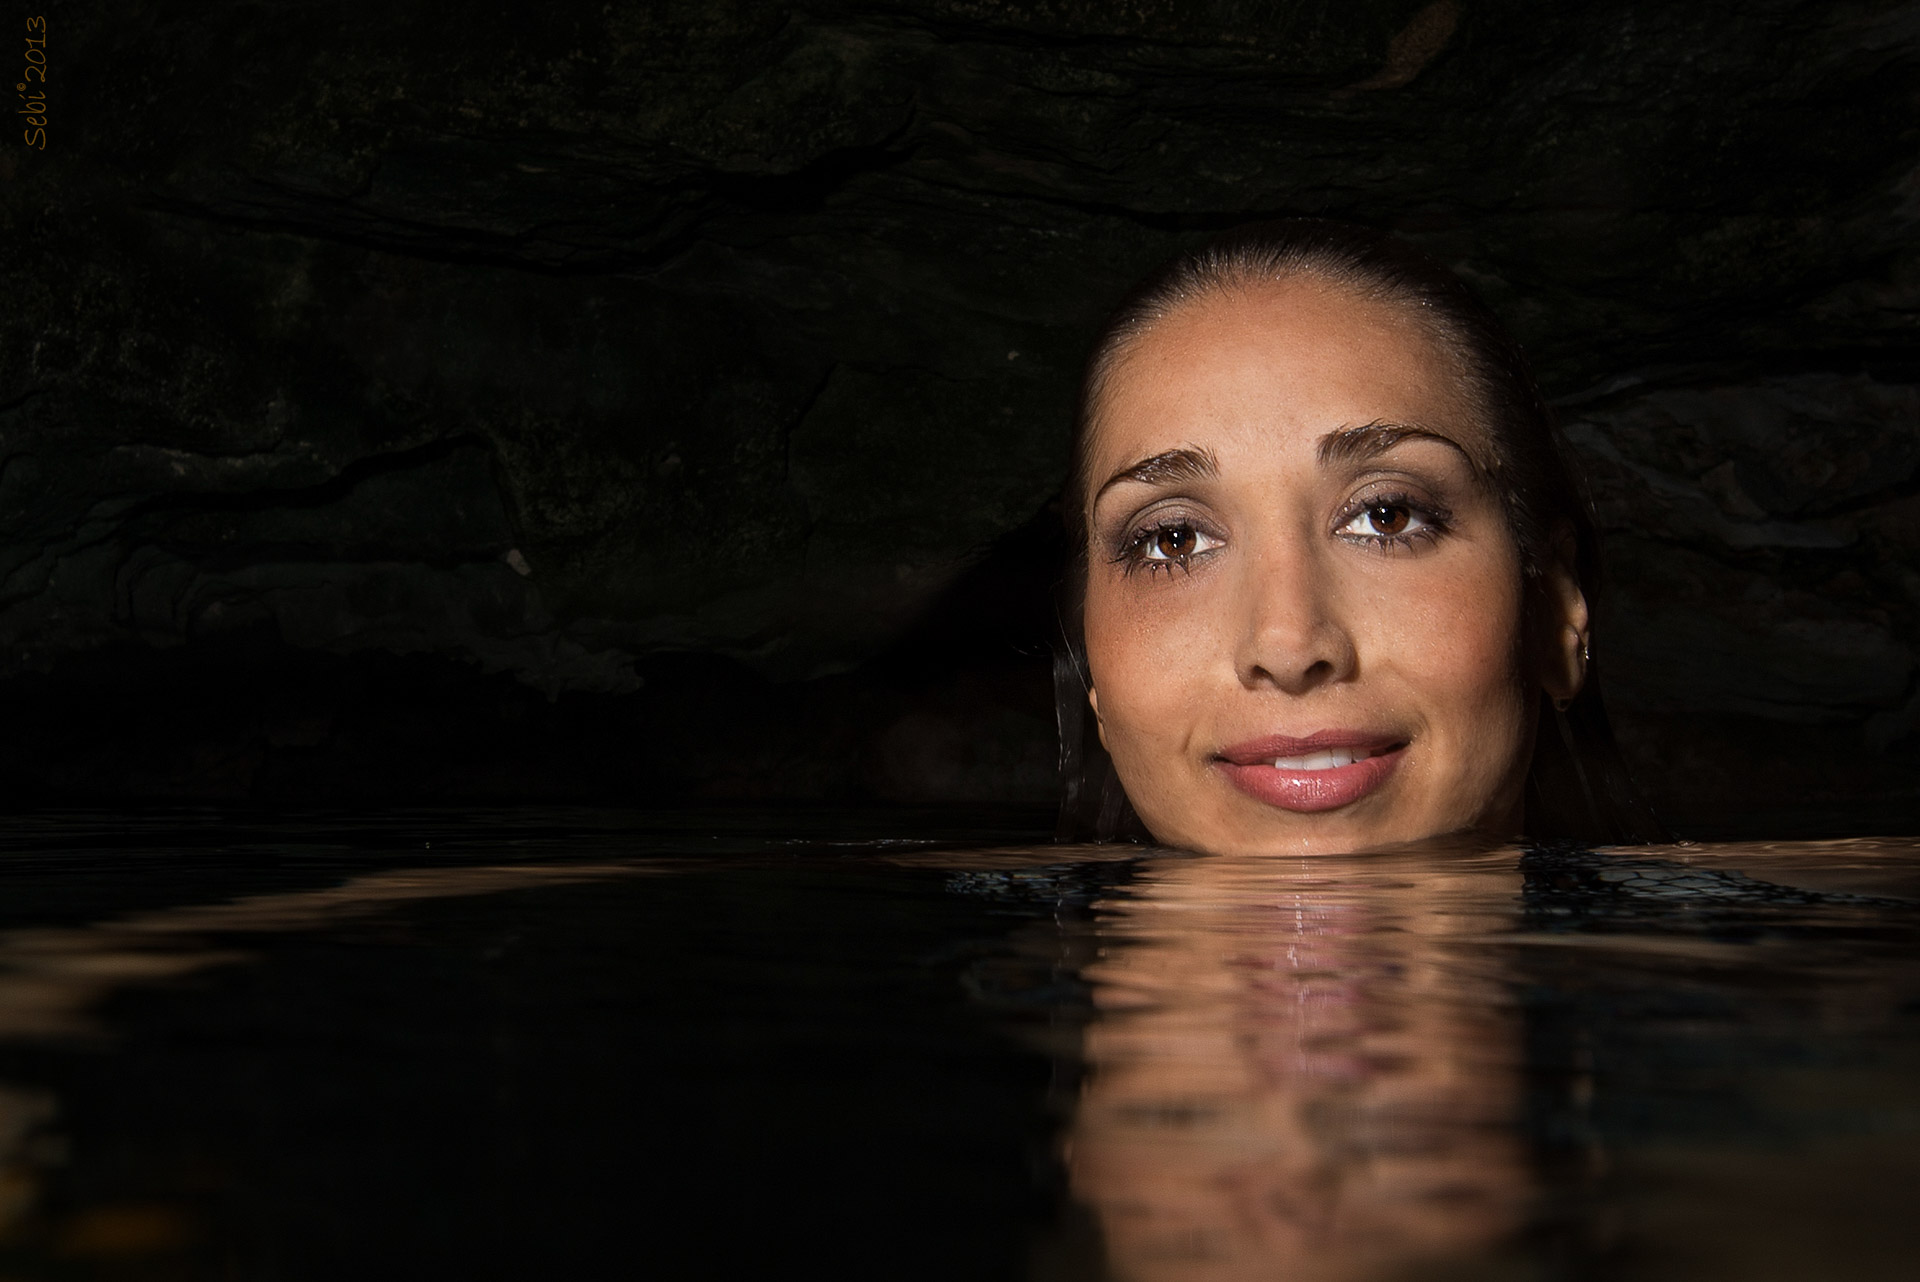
{"x":663,"y":400}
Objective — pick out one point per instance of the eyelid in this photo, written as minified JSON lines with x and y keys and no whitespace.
{"x":1406,"y":486}
{"x":1427,"y":478}
{"x":1182,"y":491}
{"x":1166,"y":510}
{"x":1425,"y":487}
{"x":1411,"y":496}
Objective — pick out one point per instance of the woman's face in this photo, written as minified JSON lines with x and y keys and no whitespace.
{"x":1304,"y":605}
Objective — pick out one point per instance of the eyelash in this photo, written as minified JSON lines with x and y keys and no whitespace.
{"x":1132,"y":554}
{"x":1436,"y":523}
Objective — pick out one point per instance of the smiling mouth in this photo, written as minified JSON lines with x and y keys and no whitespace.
{"x":1306,"y":776}
{"x":1332,"y":758}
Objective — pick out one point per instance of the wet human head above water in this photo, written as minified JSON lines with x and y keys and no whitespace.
{"x":1333,"y":576}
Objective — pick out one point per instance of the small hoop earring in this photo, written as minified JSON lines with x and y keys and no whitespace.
{"x":1562,"y":704}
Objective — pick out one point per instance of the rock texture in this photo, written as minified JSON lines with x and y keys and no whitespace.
{"x":610,"y":399}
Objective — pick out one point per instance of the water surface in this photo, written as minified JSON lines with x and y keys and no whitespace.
{"x":569,"y":1044}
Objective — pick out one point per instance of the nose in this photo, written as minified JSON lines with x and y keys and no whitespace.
{"x":1294,"y":636}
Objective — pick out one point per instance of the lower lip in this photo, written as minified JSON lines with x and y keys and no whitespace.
{"x":1310,"y":791}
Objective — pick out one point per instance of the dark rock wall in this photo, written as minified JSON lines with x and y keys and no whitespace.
{"x":662,"y":400}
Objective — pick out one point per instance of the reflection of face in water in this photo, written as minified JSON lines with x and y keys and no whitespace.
{"x":1294,"y":1077}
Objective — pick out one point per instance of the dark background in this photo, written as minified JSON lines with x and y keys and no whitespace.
{"x":650,"y":403}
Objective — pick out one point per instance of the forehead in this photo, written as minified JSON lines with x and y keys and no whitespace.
{"x":1271,"y":368}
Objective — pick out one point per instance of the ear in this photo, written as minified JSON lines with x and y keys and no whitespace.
{"x":1093,"y":701}
{"x":1563,"y":625}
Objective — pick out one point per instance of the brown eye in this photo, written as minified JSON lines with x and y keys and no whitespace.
{"x":1164,"y":546}
{"x":1388,"y":518}
{"x":1391,"y":520}
{"x":1175,"y":543}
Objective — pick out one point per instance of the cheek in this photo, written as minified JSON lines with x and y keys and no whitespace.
{"x":1143,"y":653}
{"x":1460,"y":642}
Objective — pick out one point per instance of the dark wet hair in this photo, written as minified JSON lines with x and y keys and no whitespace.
{"x":1577,"y":786}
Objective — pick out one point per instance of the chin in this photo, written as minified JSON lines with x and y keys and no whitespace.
{"x":1269,"y":831}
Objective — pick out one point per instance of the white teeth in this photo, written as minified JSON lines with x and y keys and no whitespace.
{"x":1325,"y":759}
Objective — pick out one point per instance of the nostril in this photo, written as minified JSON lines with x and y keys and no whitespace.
{"x":1319,"y":672}
{"x":1299,"y":680}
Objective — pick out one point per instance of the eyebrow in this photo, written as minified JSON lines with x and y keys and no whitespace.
{"x":1346,"y":445}
{"x":1169,"y":467}
{"x":1370,"y":440}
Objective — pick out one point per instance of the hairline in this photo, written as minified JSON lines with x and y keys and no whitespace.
{"x":1230,"y":278}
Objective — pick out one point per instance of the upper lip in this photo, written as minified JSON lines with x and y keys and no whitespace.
{"x":1256,"y":751}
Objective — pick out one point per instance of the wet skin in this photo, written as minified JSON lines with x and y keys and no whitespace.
{"x":1296,"y":556}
